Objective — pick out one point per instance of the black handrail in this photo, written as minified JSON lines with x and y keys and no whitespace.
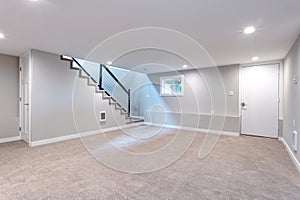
{"x":119,"y":83}
{"x":114,"y":77}
{"x":129,"y":103}
{"x":84,"y":69}
{"x":100,"y":78}
{"x":100,"y":84}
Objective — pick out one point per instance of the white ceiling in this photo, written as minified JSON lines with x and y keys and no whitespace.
{"x":76,"y":27}
{"x":151,"y":61}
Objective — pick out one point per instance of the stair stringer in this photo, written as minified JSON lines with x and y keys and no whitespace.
{"x":101,"y":93}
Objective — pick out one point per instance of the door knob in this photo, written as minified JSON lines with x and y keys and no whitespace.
{"x":243,"y":104}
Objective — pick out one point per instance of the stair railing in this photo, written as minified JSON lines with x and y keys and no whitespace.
{"x":127,"y":91}
{"x":104,"y":68}
{"x":83,"y":69}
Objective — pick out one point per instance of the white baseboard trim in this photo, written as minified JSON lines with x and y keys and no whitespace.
{"x":78,"y":135}
{"x":289,"y":150}
{"x":10,"y":139}
{"x":227,"y":133}
{"x":109,"y":129}
{"x":94,"y":132}
{"x":52,"y":140}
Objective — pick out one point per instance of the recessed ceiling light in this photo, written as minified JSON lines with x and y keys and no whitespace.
{"x":255,"y":58}
{"x":249,"y":30}
{"x":109,"y":63}
{"x":184,"y":66}
{"x":35,"y":0}
{"x":1,"y":36}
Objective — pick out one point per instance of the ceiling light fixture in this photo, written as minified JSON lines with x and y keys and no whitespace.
{"x":1,"y":36}
{"x":249,"y":30}
{"x":184,"y":66}
{"x":108,"y":63}
{"x":255,"y":58}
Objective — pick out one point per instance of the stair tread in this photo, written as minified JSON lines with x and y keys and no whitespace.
{"x":74,"y":68}
{"x":135,"y":121}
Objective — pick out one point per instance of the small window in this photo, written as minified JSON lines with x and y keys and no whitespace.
{"x":171,"y":85}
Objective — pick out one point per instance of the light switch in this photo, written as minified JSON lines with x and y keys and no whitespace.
{"x":231,"y":93}
{"x":295,"y":141}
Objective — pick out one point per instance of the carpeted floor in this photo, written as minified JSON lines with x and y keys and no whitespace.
{"x":237,"y":168}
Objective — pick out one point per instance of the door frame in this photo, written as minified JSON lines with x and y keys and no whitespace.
{"x":280,"y":89}
{"x":21,"y":97}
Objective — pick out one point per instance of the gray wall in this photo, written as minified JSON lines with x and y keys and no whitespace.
{"x":230,"y":75}
{"x":55,"y":88}
{"x":9,"y":90}
{"x":202,"y":105}
{"x":54,"y":85}
{"x":292,"y":95}
{"x":204,"y":93}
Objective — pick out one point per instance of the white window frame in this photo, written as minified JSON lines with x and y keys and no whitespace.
{"x":173,"y":94}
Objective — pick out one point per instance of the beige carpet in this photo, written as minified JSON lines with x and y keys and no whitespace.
{"x":237,"y":168}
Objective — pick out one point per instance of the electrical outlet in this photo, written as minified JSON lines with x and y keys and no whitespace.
{"x":295,"y":141}
{"x":231,"y":93}
{"x":102,"y":116}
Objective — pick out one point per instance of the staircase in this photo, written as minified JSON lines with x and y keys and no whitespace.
{"x":107,"y":85}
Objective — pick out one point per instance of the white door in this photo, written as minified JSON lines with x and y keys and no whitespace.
{"x":24,"y":98}
{"x":260,"y":100}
